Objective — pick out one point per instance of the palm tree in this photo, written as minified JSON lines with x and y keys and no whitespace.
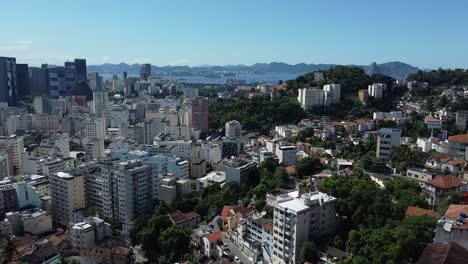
{"x":8,"y":249}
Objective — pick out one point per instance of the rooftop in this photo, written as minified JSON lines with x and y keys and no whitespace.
{"x":445,"y":181}
{"x":416,"y":211}
{"x":454,"y":210}
{"x":459,"y":138}
{"x":443,"y":253}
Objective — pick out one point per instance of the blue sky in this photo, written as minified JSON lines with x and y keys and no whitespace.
{"x":427,"y":34}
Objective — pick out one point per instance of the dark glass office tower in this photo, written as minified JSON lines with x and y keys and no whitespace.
{"x":22,"y":78}
{"x":8,"y":84}
{"x":145,"y":71}
{"x":80,"y":70}
{"x":38,"y":81}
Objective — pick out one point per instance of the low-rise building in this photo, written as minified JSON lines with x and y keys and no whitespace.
{"x":189,"y":219}
{"x":453,"y":226}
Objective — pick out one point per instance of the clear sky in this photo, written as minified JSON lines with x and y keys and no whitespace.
{"x":425,"y":33}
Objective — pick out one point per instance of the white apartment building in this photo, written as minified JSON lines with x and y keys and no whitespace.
{"x":100,"y":101}
{"x":14,"y":147}
{"x":95,"y":129}
{"x":287,"y":155}
{"x":233,"y":129}
{"x":68,"y":195}
{"x":310,"y":97}
{"x":387,"y":138}
{"x":84,"y":235}
{"x":314,"y":97}
{"x":332,"y":94}
{"x":376,"y":90}
{"x":297,"y":219}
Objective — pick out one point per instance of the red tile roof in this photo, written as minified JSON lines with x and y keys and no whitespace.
{"x":459,"y":138}
{"x":454,"y":210}
{"x":214,"y":236}
{"x":445,"y":181}
{"x":444,"y":253}
{"x":225,"y":212}
{"x":441,"y":157}
{"x":416,"y":211}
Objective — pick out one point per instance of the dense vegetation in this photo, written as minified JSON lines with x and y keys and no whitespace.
{"x":372,"y":219}
{"x":351,"y":79}
{"x":258,"y":113}
{"x":441,"y":77}
{"x":161,"y":240}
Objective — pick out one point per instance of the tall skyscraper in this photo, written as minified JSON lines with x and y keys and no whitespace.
{"x":145,"y":71}
{"x":199,"y":113}
{"x":22,"y":78}
{"x":38,"y":81}
{"x":69,"y":77}
{"x":80,"y":70}
{"x":56,"y":76}
{"x":8,"y":83}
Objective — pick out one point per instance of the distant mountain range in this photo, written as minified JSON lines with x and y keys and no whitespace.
{"x":395,"y":69}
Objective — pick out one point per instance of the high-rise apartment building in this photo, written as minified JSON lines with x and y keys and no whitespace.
{"x":128,"y":189}
{"x":298,"y":219}
{"x":376,"y":90}
{"x":233,"y":129}
{"x":8,"y":81}
{"x":332,"y":94}
{"x":68,"y":195}
{"x":100,"y":101}
{"x":14,"y":147}
{"x":198,"y":111}
{"x":95,"y":129}
{"x":310,"y":98}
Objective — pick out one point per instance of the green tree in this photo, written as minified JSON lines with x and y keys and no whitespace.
{"x":309,"y":251}
{"x":308,"y":167}
{"x":8,"y":248}
{"x":175,"y":242}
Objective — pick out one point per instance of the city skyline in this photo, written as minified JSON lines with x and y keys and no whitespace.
{"x":426,"y":35}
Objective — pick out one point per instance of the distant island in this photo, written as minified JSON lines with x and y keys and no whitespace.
{"x":396,"y":69}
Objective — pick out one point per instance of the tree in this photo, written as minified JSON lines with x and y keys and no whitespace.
{"x":309,"y":251}
{"x":8,"y":248}
{"x":175,"y":242}
{"x":308,"y":167}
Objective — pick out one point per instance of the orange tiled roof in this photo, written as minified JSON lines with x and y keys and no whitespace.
{"x":459,"y":138}
{"x":445,"y":181}
{"x":443,"y":253}
{"x":439,"y":157}
{"x":454,"y":210}
{"x":416,"y":211}
{"x":225,"y":212}
{"x":214,"y":236}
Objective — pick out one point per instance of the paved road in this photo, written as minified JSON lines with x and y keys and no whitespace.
{"x":236,"y":252}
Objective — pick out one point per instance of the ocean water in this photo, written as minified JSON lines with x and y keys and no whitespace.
{"x":272,"y":78}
